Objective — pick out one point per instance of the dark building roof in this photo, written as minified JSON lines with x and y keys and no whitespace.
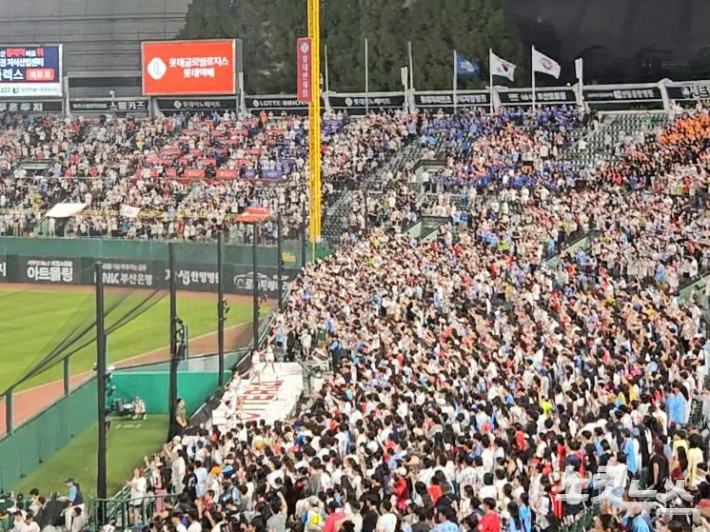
{"x":98,"y":35}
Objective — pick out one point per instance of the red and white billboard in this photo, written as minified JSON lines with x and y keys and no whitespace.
{"x":304,"y":70}
{"x":181,"y":68}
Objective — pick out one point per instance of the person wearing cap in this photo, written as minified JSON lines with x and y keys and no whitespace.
{"x":76,"y":498}
{"x":313,"y":517}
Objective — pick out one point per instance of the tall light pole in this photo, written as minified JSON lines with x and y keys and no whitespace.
{"x":314,"y":126}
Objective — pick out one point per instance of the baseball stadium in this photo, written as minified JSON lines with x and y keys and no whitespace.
{"x":418,"y":266}
{"x":48,"y":295}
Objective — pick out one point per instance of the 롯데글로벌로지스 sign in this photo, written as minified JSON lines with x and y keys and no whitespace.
{"x":183,"y":68}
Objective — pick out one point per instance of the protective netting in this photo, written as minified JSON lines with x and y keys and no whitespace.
{"x":71,"y":331}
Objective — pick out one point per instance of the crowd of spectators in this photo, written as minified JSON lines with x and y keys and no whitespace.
{"x":182,"y":176}
{"x":486,"y":380}
{"x":512,"y":148}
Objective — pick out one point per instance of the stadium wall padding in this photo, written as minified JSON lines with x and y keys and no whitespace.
{"x":152,"y":387}
{"x":36,"y":440}
{"x":136,"y":264}
{"x":202,"y":253}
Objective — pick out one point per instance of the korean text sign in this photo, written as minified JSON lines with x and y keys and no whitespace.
{"x":303,"y":69}
{"x":175,"y":68}
{"x":30,"y":71}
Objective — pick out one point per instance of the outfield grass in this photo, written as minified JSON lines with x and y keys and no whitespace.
{"x":32,"y":322}
{"x":128,"y":441}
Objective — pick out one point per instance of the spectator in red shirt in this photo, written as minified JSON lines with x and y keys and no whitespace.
{"x":401,"y":489}
{"x":490,"y":522}
{"x":434,"y":490}
{"x":335,"y":514}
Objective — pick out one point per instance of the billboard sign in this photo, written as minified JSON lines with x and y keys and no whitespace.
{"x":29,"y":71}
{"x":304,"y":70}
{"x":183,"y":68}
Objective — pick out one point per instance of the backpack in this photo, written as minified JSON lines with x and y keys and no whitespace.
{"x":315,"y":519}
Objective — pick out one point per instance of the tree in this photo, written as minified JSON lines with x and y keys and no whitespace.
{"x":436,"y":28}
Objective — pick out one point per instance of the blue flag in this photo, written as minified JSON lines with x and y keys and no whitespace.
{"x":467,"y":67}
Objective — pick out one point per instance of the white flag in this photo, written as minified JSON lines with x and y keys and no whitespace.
{"x":501,"y":67}
{"x":542,"y":63}
{"x":128,"y":211}
{"x":579,"y":68}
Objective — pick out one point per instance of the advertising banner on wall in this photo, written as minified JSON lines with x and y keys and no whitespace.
{"x":50,"y":106}
{"x":183,"y":68}
{"x":543,"y":97}
{"x":109,"y":106}
{"x":303,"y":70}
{"x":597,"y":94}
{"x":276,"y":104}
{"x":46,"y":271}
{"x":359,"y":104}
{"x":30,"y":71}
{"x":446,"y":100}
{"x":690,"y":91}
{"x":147,"y":274}
{"x":205,"y":105}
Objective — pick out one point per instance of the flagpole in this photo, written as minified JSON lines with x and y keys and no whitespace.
{"x":327,"y":81}
{"x":490,"y":76}
{"x":532,"y":62}
{"x":411,"y":66}
{"x":579,"y":68}
{"x":367,"y":79}
{"x":455,"y":81}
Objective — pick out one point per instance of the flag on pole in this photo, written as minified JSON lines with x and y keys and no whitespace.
{"x":467,"y":67}
{"x":500,"y":67}
{"x":542,"y":63}
{"x":579,"y":68}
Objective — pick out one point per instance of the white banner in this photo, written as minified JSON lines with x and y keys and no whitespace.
{"x":129,"y":212}
{"x":66,"y":210}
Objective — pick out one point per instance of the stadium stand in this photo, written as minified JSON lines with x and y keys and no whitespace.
{"x":533,"y":343}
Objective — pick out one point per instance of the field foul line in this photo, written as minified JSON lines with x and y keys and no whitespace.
{"x":82,"y":376}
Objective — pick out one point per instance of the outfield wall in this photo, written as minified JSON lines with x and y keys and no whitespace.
{"x":38,"y":439}
{"x":137,"y":263}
